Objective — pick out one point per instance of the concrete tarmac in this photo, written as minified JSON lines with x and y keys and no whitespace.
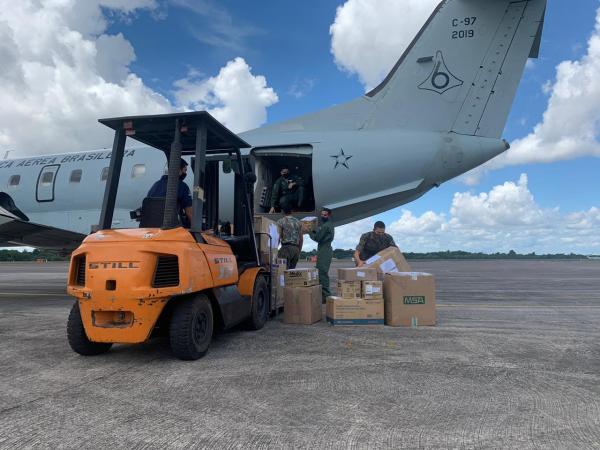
{"x":513,"y":363}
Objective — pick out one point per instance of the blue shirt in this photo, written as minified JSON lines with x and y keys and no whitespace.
{"x":159,"y":189}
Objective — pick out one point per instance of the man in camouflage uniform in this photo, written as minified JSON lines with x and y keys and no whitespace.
{"x":288,"y":191}
{"x":323,"y":235}
{"x":372,"y":243}
{"x":290,"y":236}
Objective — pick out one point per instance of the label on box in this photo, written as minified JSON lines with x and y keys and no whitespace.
{"x":349,"y":289}
{"x":360,"y":274}
{"x":414,"y":300}
{"x":354,"y":321}
{"x":372,"y":259}
{"x":281,"y":280}
{"x":370,"y":289}
{"x":388,"y":266}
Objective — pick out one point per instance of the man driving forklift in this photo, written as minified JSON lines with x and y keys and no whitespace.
{"x":184,"y":197}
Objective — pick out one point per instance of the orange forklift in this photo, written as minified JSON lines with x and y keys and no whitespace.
{"x":162,"y":278}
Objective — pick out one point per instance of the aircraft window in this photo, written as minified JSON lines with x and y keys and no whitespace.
{"x":14,"y":180}
{"x":138,"y":170}
{"x":47,"y":178}
{"x":75,"y":176}
{"x":104,"y":174}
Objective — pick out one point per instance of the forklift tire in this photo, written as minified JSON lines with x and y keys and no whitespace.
{"x":78,"y":340}
{"x":191,"y":327}
{"x":260,"y":304}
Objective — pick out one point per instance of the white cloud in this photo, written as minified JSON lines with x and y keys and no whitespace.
{"x":61,"y":71}
{"x":235,"y":96}
{"x":219,"y":28}
{"x":570,"y":127}
{"x":368,"y":36}
{"x":505,"y":218}
{"x":301,"y":87}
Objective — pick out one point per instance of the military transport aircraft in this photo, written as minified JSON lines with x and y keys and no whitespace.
{"x":439,"y":113}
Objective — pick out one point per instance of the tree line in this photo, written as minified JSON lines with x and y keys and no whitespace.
{"x":48,"y":255}
{"x":458,"y":254}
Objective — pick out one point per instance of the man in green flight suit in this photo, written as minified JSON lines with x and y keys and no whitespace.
{"x":323,"y":235}
{"x":288,"y":192}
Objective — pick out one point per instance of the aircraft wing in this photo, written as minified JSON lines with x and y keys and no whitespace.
{"x":17,"y":232}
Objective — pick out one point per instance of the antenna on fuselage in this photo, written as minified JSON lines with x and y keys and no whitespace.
{"x":6,"y":154}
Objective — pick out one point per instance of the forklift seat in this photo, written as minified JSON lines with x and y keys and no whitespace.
{"x":241,"y":248}
{"x":153,"y":211}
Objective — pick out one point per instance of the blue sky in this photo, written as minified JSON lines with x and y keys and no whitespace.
{"x":289,"y":43}
{"x":116,"y":56}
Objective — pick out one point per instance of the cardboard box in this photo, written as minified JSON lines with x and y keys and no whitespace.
{"x":371,"y":289}
{"x":357,"y":274}
{"x":265,"y":228}
{"x":302,"y":305}
{"x":309,"y":224}
{"x":342,"y":311}
{"x":409,"y":299}
{"x":301,"y":277}
{"x":278,"y":283}
{"x":349,"y":289}
{"x":389,"y":260}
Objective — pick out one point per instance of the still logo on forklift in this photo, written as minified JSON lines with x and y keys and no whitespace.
{"x":223,"y":260}
{"x":114,"y":265}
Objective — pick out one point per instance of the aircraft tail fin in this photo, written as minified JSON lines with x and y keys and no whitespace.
{"x":462,"y":70}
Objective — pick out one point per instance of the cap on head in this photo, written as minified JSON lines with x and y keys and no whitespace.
{"x":182,"y":163}
{"x":286,"y":210}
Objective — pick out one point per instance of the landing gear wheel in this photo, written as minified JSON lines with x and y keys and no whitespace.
{"x":191,"y":327}
{"x":260,"y":304}
{"x":78,"y":340}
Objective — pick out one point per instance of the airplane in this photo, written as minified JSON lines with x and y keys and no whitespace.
{"x":439,"y":113}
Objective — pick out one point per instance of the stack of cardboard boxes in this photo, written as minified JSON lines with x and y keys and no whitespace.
{"x":302,"y":296}
{"x":267,"y":239}
{"x":386,"y":288}
{"x":359,"y":300}
{"x":409,"y":296}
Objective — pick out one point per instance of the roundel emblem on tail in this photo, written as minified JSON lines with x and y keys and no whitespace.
{"x":440,"y":79}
